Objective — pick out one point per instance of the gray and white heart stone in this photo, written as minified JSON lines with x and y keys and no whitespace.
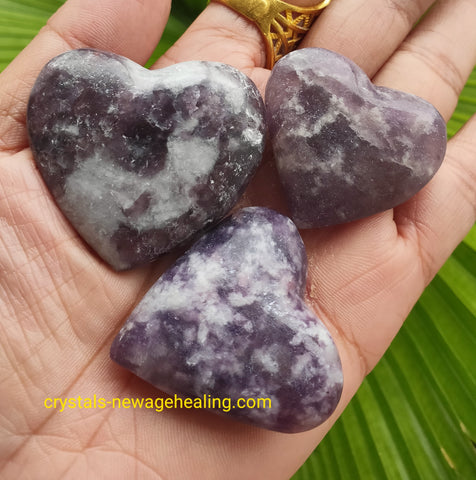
{"x":228,"y":320}
{"x":346,"y":149}
{"x":139,"y":161}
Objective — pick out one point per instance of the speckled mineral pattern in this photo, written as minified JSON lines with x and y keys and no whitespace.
{"x":139,"y":160}
{"x":228,"y":320}
{"x":344,"y":148}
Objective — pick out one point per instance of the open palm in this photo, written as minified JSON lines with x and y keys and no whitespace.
{"x":60,"y":306}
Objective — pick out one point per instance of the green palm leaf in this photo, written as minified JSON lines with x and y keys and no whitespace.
{"x":414,"y":416}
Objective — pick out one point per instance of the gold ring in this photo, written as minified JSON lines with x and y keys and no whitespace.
{"x":282,"y":25}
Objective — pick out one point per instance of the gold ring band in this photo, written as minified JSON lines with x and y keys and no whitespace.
{"x":282,"y":25}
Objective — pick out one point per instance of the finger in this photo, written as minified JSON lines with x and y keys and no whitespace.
{"x":437,"y":57}
{"x":129,"y":28}
{"x":375,"y":269}
{"x":222,"y":35}
{"x":366,"y":31}
{"x":439,"y":217}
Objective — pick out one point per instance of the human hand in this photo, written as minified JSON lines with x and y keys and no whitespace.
{"x":61,"y":306}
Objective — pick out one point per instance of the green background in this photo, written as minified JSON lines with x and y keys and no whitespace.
{"x":415,"y":415}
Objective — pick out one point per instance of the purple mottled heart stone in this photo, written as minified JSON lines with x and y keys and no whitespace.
{"x":139,"y":161}
{"x":228,"y":321}
{"x":346,"y":149}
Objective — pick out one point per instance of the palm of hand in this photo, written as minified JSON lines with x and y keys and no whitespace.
{"x":60,"y":306}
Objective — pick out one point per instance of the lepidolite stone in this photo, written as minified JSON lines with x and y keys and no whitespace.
{"x":139,"y":160}
{"x":228,"y":320}
{"x":344,"y":148}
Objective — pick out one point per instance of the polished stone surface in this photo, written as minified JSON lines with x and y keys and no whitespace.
{"x":344,"y":148}
{"x":228,"y":320}
{"x":139,"y":161}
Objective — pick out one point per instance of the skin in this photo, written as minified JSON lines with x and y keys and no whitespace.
{"x":60,"y":306}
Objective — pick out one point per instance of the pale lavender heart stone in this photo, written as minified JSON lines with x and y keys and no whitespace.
{"x":229,"y":320}
{"x":139,"y":161}
{"x":344,"y":148}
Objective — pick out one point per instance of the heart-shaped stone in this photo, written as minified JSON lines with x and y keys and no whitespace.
{"x":139,"y":161}
{"x":346,"y":149}
{"x":228,"y":321}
